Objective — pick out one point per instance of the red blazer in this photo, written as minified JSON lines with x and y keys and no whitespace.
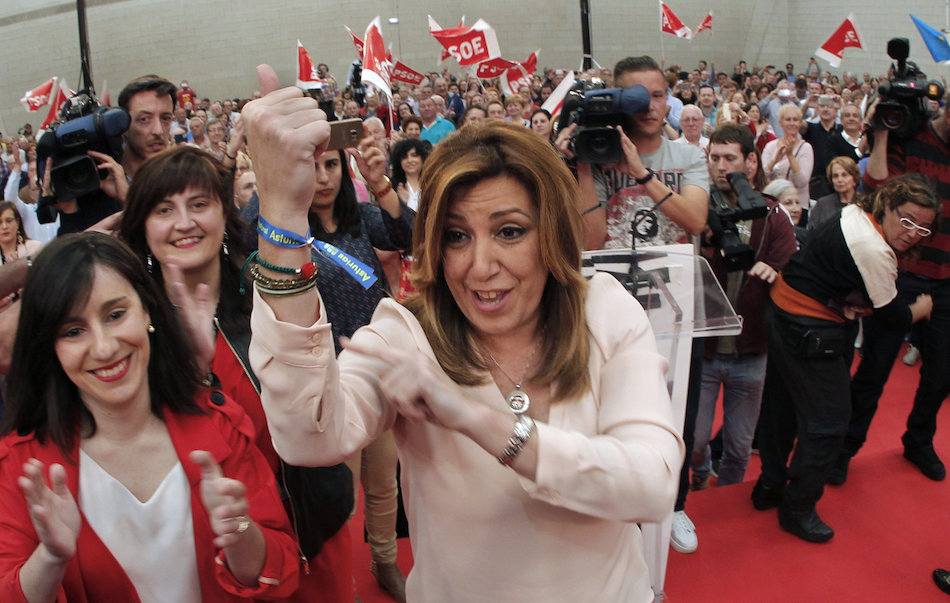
{"x":94,"y":574}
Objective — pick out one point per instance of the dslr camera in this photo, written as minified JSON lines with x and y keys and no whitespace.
{"x":595,"y":109}
{"x":903,"y":108}
{"x":723,"y":218}
{"x":83,"y":126}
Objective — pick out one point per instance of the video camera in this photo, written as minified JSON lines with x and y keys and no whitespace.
{"x":595,"y":109}
{"x":902,"y":108}
{"x":723,"y":218}
{"x":83,"y":126}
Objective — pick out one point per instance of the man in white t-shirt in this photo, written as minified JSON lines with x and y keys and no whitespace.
{"x":691,"y":122}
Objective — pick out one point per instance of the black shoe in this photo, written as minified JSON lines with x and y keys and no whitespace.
{"x":390,"y":579}
{"x":839,"y":473}
{"x":927,"y":461}
{"x":942,"y":579}
{"x":805,"y":524}
{"x":765,"y":497}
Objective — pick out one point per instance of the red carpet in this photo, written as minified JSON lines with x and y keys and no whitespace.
{"x":890,"y":523}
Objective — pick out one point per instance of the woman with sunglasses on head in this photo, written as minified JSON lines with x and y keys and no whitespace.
{"x":847,"y":269}
{"x":121,"y":478}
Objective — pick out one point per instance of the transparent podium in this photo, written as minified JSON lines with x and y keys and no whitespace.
{"x":683,"y":300}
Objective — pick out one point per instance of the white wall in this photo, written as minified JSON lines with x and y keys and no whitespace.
{"x":215,"y":44}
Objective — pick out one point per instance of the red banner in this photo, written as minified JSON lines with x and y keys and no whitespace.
{"x":357,"y":43}
{"x":671,"y":24}
{"x":706,"y":24}
{"x":37,"y":97}
{"x":306,"y":73}
{"x":58,"y":101}
{"x":404,"y":73}
{"x":846,"y":36}
{"x":376,"y":66}
{"x":468,"y":45}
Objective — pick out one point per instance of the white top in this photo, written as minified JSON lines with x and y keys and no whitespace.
{"x":153,"y":541}
{"x":413,"y":201}
{"x":606,"y":460}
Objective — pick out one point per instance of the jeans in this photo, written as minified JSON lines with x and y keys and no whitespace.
{"x":375,"y":468}
{"x":742,"y":379}
{"x":689,"y":421}
{"x":881,"y":346}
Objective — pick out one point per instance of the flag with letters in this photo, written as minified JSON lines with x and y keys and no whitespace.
{"x":846,"y":36}
{"x":38,"y":97}
{"x":377,"y":62}
{"x":706,"y":24}
{"x":671,"y":24}
{"x":467,"y":45}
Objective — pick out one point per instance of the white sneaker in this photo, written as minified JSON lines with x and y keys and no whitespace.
{"x":912,"y":356}
{"x":683,"y":535}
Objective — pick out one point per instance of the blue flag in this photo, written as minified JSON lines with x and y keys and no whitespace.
{"x":935,"y":40}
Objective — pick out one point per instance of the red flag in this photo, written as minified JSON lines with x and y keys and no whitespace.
{"x":706,"y":24}
{"x":404,"y":73}
{"x":556,"y":100}
{"x":514,"y":79}
{"x":846,"y":36}
{"x":306,"y":73}
{"x":671,"y":24}
{"x":357,"y":43}
{"x":493,"y":67}
{"x":58,"y":101}
{"x":376,"y":67}
{"x":531,"y":63}
{"x":468,"y":45}
{"x":37,"y":97}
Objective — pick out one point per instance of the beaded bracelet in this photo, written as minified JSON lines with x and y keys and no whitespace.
{"x":284,"y":292}
{"x":281,"y":284}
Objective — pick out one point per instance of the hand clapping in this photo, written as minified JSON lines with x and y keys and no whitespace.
{"x":54,"y":511}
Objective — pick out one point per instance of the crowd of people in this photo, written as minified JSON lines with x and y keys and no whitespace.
{"x":415,"y":302}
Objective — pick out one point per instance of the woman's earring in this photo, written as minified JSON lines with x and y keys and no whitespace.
{"x":150,"y":328}
{"x":224,"y":244}
{"x":19,"y":238}
{"x":148,"y":261}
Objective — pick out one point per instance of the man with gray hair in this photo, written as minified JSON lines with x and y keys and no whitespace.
{"x":691,"y":121}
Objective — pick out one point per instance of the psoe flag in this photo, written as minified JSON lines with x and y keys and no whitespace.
{"x":377,"y":67}
{"x":935,"y":40}
{"x":468,"y":45}
{"x":37,"y":97}
{"x":846,"y":36}
{"x":306,"y":74}
{"x":706,"y":24}
{"x":671,"y":24}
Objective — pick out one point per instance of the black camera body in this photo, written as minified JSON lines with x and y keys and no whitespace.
{"x":596,"y":110}
{"x":84,"y":126}
{"x":723,"y":218}
{"x":903,"y":107}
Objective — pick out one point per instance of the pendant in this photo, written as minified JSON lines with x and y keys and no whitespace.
{"x":518,"y":401}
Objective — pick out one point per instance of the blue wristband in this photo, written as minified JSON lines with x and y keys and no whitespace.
{"x":281,"y":237}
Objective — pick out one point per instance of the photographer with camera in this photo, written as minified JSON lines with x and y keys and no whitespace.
{"x":907,"y":140}
{"x":749,"y":240}
{"x":93,"y":151}
{"x":657,"y":191}
{"x":847,"y":270}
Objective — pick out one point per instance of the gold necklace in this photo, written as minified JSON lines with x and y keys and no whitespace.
{"x":518,"y":400}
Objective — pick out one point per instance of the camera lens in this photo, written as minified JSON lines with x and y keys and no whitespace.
{"x":891,"y":117}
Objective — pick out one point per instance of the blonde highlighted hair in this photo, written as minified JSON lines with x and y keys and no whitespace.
{"x":475,"y":154}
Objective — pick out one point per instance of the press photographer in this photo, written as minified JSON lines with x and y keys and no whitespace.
{"x":897,"y":150}
{"x":95,"y":151}
{"x":754,"y":242}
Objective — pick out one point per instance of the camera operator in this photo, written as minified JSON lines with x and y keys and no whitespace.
{"x":669,"y":179}
{"x":737,"y":363}
{"x":149,"y":101}
{"x":659,"y":185}
{"x":926,"y":152}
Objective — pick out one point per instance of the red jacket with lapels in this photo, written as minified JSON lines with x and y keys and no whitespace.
{"x":94,"y":574}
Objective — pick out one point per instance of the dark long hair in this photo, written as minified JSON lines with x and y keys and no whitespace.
{"x":399,"y":152}
{"x":172,"y":172}
{"x":40,"y":396}
{"x":346,"y":212}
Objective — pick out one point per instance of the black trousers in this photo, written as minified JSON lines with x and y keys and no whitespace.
{"x":807,"y":399}
{"x":881,"y":346}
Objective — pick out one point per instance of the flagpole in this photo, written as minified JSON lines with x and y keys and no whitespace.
{"x":662,"y":49}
